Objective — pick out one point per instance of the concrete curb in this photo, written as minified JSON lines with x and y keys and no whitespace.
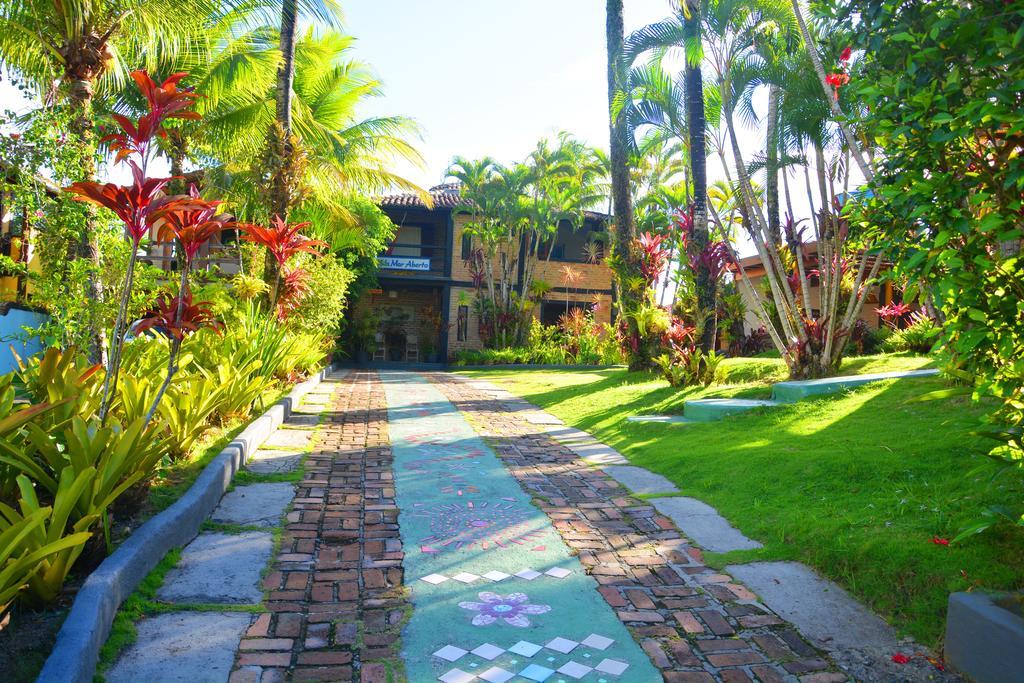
{"x":85,"y":630}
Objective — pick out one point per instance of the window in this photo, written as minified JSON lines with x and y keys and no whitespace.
{"x":462,"y":323}
{"x":467,"y":246}
{"x":551,"y":311}
{"x":410,"y":237}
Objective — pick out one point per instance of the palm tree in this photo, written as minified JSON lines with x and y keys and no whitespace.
{"x":342,"y":154}
{"x":67,"y":49}
{"x":684,"y":30}
{"x":622,"y":205}
{"x":826,"y":89}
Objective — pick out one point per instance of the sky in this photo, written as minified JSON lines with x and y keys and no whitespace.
{"x":492,"y":77}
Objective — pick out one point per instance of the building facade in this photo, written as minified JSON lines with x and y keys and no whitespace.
{"x":423,"y":309}
{"x":878,"y":295}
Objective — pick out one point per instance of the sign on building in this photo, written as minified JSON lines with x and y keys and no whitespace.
{"x":404,"y":263}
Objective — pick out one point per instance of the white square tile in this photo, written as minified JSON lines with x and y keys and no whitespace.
{"x":435,"y":579}
{"x":450,"y":653}
{"x":488,"y":651}
{"x":536,"y":672}
{"x":525,"y":648}
{"x":563,"y":645}
{"x":611,"y":666}
{"x":575,"y":670}
{"x":528,"y":574}
{"x":496,"y":675}
{"x":597,"y":642}
{"x":456,"y":676}
{"x":558,"y":572}
{"x":496,"y":576}
{"x":465,"y":577}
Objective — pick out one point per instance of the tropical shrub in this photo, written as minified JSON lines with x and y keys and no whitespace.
{"x":185,"y":412}
{"x":920,"y":336}
{"x":321,"y":309}
{"x":947,"y":193}
{"x":21,"y":554}
{"x":43,"y":541}
{"x":755,"y":342}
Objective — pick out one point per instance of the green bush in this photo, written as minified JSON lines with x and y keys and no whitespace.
{"x":919,"y":337}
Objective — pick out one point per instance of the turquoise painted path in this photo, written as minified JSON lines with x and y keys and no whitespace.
{"x":496,"y":594}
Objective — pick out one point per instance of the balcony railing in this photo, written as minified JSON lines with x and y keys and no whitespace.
{"x":164,"y":255}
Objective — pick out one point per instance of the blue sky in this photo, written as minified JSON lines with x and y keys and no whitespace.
{"x":490,"y":78}
{"x":485,"y":77}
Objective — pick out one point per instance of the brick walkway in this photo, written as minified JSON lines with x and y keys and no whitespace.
{"x":336,"y":603}
{"x":696,"y":624}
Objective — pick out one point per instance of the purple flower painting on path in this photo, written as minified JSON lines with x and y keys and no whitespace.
{"x":512,"y":608}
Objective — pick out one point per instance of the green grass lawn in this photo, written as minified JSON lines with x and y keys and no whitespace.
{"x":855,"y":485}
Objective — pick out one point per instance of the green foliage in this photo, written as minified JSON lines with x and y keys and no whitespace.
{"x":185,"y":411}
{"x":948,"y":192}
{"x":689,"y":367}
{"x":918,"y":337}
{"x":60,"y":548}
{"x":20,"y":557}
{"x":576,"y":340}
{"x":322,"y":309}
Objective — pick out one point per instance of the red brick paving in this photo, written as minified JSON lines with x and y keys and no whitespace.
{"x":335,"y":603}
{"x":694,"y":622}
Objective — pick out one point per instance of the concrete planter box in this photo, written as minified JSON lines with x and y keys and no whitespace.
{"x":983,"y":639}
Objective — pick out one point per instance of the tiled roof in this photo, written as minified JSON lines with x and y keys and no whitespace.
{"x":445,"y":196}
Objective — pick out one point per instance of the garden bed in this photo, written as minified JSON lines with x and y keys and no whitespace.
{"x":28,"y":638}
{"x":85,"y":629}
{"x":865,"y":486}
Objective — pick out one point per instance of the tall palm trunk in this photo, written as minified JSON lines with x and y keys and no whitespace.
{"x":833,"y":102}
{"x":280,"y":135}
{"x":696,"y":123}
{"x":622,"y":202}
{"x":771,"y":165}
{"x":80,"y":98}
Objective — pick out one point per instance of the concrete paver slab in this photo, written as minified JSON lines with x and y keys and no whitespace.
{"x":219,"y":568}
{"x":185,"y":647}
{"x":639,"y":480}
{"x":254,"y":505}
{"x":273,"y":462}
{"x":819,"y":608}
{"x":289,"y":438}
{"x":703,"y":524}
{"x":301,"y":421}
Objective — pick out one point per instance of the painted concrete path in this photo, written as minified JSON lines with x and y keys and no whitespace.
{"x":496,"y":594}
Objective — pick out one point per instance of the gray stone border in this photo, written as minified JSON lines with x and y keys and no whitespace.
{"x":85,"y":630}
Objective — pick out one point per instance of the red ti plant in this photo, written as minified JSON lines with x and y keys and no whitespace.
{"x":294,"y":288}
{"x":142,"y":205}
{"x":893,"y":314}
{"x":653,"y":256}
{"x":283,"y":241}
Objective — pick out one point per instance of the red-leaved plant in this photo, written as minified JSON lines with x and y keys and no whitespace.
{"x":893,"y":314}
{"x":293,"y":289}
{"x":282,"y":240}
{"x":143,"y":206}
{"x":653,"y":256}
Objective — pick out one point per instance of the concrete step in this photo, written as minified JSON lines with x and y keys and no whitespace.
{"x":711,"y":409}
{"x":789,"y":392}
{"x":660,"y":419}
